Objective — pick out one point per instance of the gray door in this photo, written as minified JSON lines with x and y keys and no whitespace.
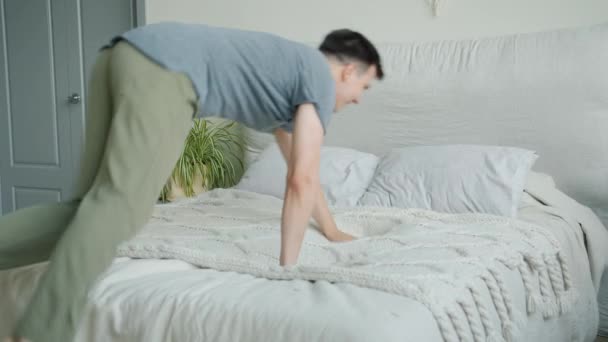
{"x":47,"y":49}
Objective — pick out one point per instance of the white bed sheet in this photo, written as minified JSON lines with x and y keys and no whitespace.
{"x":170,"y":300}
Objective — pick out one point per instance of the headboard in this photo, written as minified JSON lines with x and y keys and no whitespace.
{"x":544,"y":91}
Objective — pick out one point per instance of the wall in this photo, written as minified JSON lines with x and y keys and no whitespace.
{"x":383,"y":21}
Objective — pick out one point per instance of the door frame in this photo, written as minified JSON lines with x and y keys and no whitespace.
{"x":140,"y":12}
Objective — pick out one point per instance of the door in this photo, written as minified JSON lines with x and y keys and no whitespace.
{"x":47,"y":49}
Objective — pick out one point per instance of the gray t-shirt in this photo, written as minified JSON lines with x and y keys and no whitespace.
{"x":255,"y":78}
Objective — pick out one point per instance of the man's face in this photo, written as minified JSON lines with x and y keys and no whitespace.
{"x":351,"y":82}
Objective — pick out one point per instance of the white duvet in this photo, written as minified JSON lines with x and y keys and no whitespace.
{"x":170,"y":300}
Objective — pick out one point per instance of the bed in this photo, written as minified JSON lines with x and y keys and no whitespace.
{"x":204,"y":269}
{"x":173,"y":300}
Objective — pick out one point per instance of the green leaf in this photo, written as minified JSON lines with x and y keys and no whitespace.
{"x":211,"y":149}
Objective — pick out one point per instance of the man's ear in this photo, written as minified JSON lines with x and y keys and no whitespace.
{"x":348,"y":71}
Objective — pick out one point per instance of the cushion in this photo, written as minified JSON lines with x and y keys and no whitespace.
{"x":344,"y":174}
{"x":452,"y":178}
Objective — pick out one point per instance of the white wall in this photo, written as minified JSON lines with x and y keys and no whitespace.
{"x":383,"y":21}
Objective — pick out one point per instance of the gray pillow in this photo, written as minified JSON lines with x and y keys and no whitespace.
{"x":452,"y":178}
{"x":344,"y":174}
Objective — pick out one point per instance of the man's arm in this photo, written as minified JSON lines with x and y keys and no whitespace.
{"x":320,"y":212}
{"x":301,"y":188}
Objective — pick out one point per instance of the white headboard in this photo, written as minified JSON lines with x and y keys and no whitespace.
{"x":543,"y":91}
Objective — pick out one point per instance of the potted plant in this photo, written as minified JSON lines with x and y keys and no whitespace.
{"x":212,"y":157}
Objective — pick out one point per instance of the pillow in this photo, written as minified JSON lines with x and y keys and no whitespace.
{"x":534,"y":182}
{"x":344,"y":174}
{"x":537,"y":180}
{"x":452,"y":178}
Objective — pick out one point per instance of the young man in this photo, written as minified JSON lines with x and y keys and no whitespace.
{"x":145,"y":89}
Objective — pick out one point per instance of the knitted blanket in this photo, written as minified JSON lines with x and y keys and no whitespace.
{"x":446,"y":262}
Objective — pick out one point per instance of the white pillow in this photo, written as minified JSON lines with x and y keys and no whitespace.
{"x":344,"y":174}
{"x":452,"y":178}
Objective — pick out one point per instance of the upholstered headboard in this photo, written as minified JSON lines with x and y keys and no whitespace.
{"x":543,"y":91}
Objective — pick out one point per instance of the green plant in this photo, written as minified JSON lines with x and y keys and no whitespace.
{"x":213,"y":150}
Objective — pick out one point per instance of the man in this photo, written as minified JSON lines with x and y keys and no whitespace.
{"x":145,"y":89}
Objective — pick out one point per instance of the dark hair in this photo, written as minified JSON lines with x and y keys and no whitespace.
{"x":346,"y":44}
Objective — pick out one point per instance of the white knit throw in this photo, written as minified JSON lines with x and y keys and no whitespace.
{"x":446,"y":262}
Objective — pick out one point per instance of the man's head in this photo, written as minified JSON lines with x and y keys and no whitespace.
{"x":354,"y":64}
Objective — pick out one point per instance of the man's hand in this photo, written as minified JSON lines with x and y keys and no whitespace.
{"x":338,"y":236}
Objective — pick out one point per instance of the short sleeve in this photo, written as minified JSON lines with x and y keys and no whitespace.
{"x":316,"y":86}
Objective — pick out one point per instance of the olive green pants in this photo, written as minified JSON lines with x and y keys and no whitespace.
{"x":138,"y":116}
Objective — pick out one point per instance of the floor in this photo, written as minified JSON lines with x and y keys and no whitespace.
{"x":601,"y":339}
